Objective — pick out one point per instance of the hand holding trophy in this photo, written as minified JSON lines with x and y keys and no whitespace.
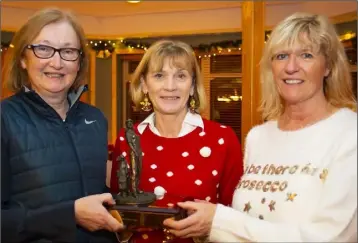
{"x":133,"y":206}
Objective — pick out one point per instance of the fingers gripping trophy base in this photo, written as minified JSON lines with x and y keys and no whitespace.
{"x":137,"y":217}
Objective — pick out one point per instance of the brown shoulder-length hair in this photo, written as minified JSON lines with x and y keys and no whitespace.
{"x":15,"y":75}
{"x":318,"y":32}
{"x":153,"y":60}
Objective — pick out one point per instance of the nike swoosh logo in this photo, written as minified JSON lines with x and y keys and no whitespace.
{"x":89,"y":122}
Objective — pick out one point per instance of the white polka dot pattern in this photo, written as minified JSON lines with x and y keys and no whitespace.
{"x":182,"y":158}
{"x":159,"y":192}
{"x":190,"y":167}
{"x":160,"y":197}
{"x":205,"y":152}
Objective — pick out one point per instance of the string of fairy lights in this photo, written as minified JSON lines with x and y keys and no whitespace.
{"x":105,"y":48}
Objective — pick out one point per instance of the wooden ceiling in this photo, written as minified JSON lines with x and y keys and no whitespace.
{"x":123,"y":8}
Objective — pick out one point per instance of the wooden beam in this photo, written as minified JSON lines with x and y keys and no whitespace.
{"x":4,"y":89}
{"x":114,"y":98}
{"x":253,"y":36}
{"x":341,"y":18}
{"x":205,"y":69}
{"x":346,"y":17}
{"x":92,"y":81}
{"x":125,"y":99}
{"x":161,"y":34}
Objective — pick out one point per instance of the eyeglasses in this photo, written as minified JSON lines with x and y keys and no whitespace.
{"x":46,"y":52}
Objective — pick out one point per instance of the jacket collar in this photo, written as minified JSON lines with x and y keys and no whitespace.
{"x":40,"y":105}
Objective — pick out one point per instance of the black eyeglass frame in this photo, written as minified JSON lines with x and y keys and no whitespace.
{"x":33,"y":46}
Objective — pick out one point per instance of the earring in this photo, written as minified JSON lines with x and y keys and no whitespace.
{"x":192,"y":103}
{"x":146,"y":105}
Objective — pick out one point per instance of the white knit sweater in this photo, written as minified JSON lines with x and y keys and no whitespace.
{"x":298,"y":186}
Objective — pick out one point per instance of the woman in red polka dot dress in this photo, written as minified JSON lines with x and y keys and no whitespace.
{"x":184,"y":155}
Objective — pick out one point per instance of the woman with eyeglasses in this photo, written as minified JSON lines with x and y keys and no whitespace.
{"x":53,"y":146}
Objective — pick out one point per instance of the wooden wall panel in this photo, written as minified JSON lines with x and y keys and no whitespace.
{"x":5,"y":92}
{"x":253,"y":36}
{"x":205,"y":69}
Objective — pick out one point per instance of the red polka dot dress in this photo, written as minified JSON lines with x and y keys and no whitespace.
{"x":205,"y":164}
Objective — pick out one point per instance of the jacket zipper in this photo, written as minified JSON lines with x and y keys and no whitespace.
{"x":65,"y":123}
{"x":83,"y":185}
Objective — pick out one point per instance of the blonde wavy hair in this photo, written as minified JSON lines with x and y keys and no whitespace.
{"x":322,"y":36}
{"x":16,"y":77}
{"x":182,"y":55}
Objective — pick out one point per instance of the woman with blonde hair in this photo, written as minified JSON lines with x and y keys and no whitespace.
{"x":184,"y":155}
{"x":300,"y":178}
{"x":53,"y":146}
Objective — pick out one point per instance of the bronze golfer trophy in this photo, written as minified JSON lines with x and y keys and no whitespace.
{"x":133,"y":206}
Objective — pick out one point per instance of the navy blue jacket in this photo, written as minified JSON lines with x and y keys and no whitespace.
{"x":48,"y":163}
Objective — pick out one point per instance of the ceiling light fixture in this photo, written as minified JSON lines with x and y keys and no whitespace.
{"x":133,"y":1}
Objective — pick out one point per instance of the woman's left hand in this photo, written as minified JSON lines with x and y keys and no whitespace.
{"x":197,"y":224}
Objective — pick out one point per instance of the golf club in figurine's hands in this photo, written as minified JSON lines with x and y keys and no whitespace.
{"x":133,"y":206}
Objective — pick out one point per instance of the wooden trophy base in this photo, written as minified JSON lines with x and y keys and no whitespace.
{"x":137,"y":214}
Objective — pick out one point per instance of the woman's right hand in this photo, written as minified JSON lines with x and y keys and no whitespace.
{"x":92,"y":215}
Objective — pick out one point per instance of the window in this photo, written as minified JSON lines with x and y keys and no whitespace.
{"x":226,"y":64}
{"x":350,"y":47}
{"x":137,"y":115}
{"x":132,"y":65}
{"x":225,"y":102}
